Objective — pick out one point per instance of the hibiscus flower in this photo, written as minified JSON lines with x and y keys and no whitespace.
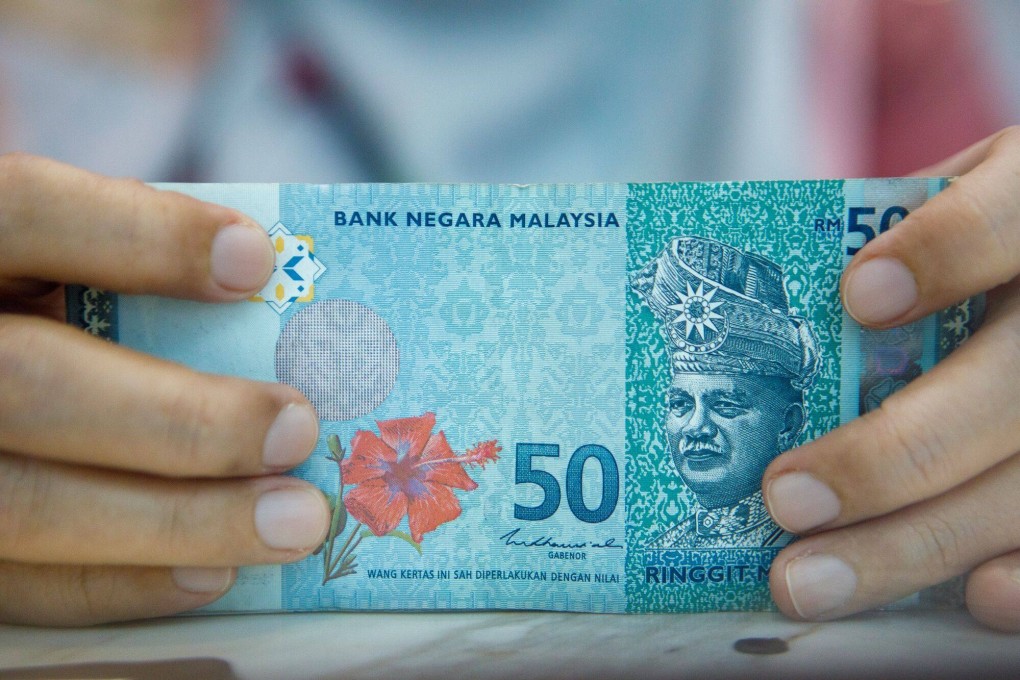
{"x":408,"y":470}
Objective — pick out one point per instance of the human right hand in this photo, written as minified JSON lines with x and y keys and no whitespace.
{"x":131,"y":487}
{"x":924,"y":488}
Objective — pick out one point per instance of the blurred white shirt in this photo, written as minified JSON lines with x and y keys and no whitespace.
{"x":462,"y":91}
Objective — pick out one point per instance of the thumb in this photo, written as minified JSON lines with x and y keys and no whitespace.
{"x":962,"y":242}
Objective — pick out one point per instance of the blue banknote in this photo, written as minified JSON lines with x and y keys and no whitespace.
{"x":551,"y":397}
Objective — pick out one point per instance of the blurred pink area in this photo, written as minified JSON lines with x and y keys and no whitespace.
{"x":924,"y":73}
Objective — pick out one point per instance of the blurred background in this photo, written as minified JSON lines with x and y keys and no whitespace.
{"x":451,"y":90}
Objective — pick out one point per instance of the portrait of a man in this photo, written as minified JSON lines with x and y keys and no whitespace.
{"x":740,"y":362}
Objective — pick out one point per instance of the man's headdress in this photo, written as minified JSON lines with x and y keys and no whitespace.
{"x":725,"y":311}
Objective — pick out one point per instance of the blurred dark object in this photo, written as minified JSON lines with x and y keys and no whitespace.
{"x":168,"y":669}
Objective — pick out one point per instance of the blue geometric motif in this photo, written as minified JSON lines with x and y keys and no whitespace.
{"x":293,"y":281}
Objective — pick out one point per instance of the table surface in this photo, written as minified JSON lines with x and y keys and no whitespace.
{"x":905,"y":644}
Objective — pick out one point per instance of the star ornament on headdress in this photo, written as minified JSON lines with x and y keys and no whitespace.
{"x":697,"y":310}
{"x":697,"y":314}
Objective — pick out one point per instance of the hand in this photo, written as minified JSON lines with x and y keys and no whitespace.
{"x":129,"y":486}
{"x":927,"y":487}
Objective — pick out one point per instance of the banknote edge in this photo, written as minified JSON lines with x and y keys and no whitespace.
{"x":93,"y":310}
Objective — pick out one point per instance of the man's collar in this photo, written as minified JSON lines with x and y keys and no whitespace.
{"x":748,"y":513}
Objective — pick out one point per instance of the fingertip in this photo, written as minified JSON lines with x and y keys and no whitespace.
{"x":993,"y":593}
{"x":292,"y":519}
{"x":800,"y":502}
{"x":813,"y":586}
{"x":291,"y":437}
{"x":779,"y":588}
{"x":241,"y":259}
{"x":209,"y":582}
{"x":880,"y":291}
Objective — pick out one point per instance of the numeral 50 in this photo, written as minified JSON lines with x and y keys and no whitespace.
{"x":855,"y":226}
{"x":524,"y":473}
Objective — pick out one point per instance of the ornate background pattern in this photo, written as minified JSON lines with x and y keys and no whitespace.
{"x":508,"y":334}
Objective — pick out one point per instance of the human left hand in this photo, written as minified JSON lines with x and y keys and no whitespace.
{"x":927,"y":487}
{"x":131,"y":486}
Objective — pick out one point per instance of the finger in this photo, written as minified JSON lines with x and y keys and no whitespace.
{"x":71,"y":397}
{"x":853,"y":569}
{"x":49,"y":595}
{"x":60,"y":223}
{"x":58,"y":514}
{"x":963,"y":241}
{"x":993,"y":593}
{"x":942,"y":429}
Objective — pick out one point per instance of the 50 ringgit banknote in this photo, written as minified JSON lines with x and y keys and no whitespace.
{"x":552,"y":397}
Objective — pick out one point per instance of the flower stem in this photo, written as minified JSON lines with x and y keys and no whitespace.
{"x":338,"y":521}
{"x":348,"y":547}
{"x":346,"y":566}
{"x":336,"y":526}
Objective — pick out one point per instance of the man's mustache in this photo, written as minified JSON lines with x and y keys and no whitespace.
{"x":698,"y":448}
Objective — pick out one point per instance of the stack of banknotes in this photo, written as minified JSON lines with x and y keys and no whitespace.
{"x":555,"y":397}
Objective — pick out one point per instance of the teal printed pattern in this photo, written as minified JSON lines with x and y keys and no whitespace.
{"x":776,"y":221}
{"x":92,"y":310}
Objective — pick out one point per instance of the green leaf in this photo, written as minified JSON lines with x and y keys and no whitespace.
{"x":333,"y":442}
{"x":402,"y":535}
{"x":338,"y":520}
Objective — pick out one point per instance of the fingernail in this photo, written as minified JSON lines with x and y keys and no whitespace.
{"x":291,"y":437}
{"x":241,"y":257}
{"x":799,"y":501}
{"x":202,"y":580}
{"x":819,"y":584}
{"x":291,"y":519}
{"x":880,"y":290}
